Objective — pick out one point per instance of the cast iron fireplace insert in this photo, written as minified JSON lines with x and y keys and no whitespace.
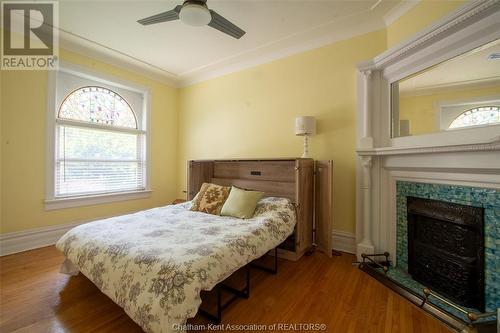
{"x":446,"y":249}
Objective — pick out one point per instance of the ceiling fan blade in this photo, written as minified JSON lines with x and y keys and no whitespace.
{"x":170,"y":15}
{"x":220,"y":23}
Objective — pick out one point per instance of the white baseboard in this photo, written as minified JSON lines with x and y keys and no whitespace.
{"x":20,"y":241}
{"x":344,"y":241}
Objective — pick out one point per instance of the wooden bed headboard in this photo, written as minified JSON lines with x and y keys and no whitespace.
{"x":291,"y":178}
{"x":277,"y":178}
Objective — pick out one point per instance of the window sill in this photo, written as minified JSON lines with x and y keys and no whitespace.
{"x":52,"y":204}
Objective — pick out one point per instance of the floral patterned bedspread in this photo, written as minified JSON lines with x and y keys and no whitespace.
{"x":154,"y":263}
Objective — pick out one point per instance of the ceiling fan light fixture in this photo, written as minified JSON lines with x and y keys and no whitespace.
{"x":195,"y":15}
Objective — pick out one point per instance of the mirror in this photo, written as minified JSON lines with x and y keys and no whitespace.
{"x":463,"y":92}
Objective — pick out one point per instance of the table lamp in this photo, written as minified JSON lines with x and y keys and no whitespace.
{"x":305,"y":126}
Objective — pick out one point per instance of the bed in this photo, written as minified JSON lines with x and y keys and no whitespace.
{"x":155,"y":263}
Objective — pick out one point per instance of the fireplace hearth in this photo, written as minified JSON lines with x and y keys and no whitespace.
{"x":446,"y":249}
{"x":460,"y":226}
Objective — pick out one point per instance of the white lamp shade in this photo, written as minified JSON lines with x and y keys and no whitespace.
{"x":305,"y":125}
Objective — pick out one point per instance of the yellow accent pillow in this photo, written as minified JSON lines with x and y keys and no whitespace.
{"x":210,"y":198}
{"x":241,"y":203}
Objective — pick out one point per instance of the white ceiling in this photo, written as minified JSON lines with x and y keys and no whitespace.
{"x":470,"y":69}
{"x":183,"y":54}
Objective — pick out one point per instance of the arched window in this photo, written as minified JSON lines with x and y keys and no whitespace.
{"x":99,"y":147}
{"x":98,"y":105}
{"x":483,"y":115}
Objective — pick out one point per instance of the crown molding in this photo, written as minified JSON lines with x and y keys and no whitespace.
{"x":251,"y":58}
{"x":466,"y":15}
{"x":452,"y":86}
{"x":248,"y":59}
{"x":466,"y":102}
{"x":91,"y":49}
{"x":399,"y":11}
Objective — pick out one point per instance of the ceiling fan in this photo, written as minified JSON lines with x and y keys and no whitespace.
{"x":196,"y":13}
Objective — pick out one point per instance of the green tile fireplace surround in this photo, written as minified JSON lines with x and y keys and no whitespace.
{"x":487,"y":198}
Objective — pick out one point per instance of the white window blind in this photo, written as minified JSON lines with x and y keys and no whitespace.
{"x":99,"y":147}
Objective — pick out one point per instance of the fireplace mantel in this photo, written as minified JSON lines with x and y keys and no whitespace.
{"x":488,"y":145}
{"x":469,"y":157}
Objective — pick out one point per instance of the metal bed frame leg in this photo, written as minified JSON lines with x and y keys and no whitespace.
{"x":217,"y":318}
{"x":219,"y":305}
{"x":272,"y":270}
{"x":247,"y":289}
{"x":275,"y":269}
{"x":244,"y":293}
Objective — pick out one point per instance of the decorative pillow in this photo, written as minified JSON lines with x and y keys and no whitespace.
{"x":210,"y":198}
{"x":241,"y":203}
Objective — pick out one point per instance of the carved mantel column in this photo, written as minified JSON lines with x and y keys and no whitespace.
{"x":366,"y":245}
{"x":367,"y":128}
{"x":367,"y":139}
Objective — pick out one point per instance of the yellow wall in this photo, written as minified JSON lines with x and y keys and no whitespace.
{"x":252,"y":113}
{"x":418,"y":18}
{"x":424,"y":111}
{"x":244,"y":114}
{"x":1,"y":149}
{"x":23,"y":111}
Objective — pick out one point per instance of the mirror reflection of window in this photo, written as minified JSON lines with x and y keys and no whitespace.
{"x":467,"y":86}
{"x":477,"y":117}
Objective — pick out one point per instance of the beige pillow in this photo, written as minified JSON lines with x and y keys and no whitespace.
{"x":241,"y":203}
{"x":210,"y":198}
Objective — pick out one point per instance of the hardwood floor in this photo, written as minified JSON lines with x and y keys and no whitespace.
{"x":35,"y":297}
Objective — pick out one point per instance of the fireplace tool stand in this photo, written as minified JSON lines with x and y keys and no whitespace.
{"x":368,"y":259}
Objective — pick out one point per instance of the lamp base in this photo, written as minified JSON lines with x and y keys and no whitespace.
{"x":306,"y":147}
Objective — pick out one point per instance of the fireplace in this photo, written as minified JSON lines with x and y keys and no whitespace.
{"x":446,"y":249}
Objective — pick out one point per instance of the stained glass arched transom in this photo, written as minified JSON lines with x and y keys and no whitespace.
{"x":98,"y":105}
{"x":483,"y":115}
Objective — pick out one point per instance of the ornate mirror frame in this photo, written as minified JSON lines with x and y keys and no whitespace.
{"x":471,"y":26}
